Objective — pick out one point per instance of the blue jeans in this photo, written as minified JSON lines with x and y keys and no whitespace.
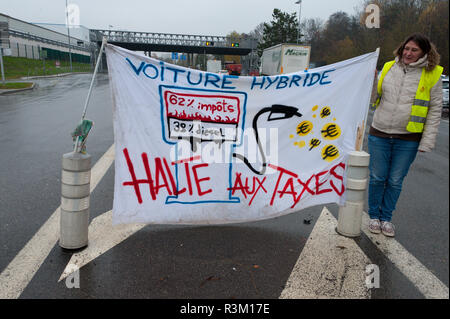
{"x":390,"y":159}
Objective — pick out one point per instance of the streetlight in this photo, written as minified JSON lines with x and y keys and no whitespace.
{"x":299,"y":2}
{"x":68,"y":36}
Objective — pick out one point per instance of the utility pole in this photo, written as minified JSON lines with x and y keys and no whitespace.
{"x":299,"y":2}
{"x":1,"y":55}
{"x":68,"y":36}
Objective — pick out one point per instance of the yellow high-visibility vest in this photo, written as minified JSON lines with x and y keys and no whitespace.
{"x":419,"y":109}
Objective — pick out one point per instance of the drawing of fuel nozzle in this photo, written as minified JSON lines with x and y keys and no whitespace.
{"x":277,"y":112}
{"x":194,"y":120}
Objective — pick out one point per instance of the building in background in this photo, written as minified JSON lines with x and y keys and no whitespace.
{"x":28,"y":40}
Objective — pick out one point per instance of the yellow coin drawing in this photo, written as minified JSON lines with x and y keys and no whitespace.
{"x":331,"y":131}
{"x":315,"y":107}
{"x":291,"y":135}
{"x":304,"y":128}
{"x":330,"y":152}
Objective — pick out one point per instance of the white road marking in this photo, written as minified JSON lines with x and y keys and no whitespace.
{"x":16,"y":276}
{"x":329,"y":266}
{"x":426,"y":282}
{"x":102,"y":237}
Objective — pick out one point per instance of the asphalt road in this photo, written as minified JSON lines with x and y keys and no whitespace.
{"x":249,"y":260}
{"x":421,"y":215}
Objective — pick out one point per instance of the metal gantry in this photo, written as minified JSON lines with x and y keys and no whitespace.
{"x":170,"y":39}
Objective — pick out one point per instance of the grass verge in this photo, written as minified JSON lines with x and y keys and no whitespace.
{"x":15,"y":85}
{"x":20,"y":67}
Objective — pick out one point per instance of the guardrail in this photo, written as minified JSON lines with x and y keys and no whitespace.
{"x":28,"y":36}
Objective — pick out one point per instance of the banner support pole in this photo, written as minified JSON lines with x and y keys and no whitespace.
{"x":75,"y":186}
{"x":90,"y":88}
{"x":350,"y":214}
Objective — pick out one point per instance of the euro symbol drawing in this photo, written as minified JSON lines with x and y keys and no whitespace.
{"x":313,"y":143}
{"x":325,"y":112}
{"x":329,"y":153}
{"x":331,"y":131}
{"x":304,"y":128}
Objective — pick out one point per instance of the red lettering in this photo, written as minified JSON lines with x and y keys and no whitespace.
{"x":172,"y":180}
{"x":188,"y":177}
{"x":259,"y":186}
{"x":224,"y":105}
{"x":238,"y":185}
{"x":149,"y":175}
{"x":326,"y":190}
{"x":186,"y":160}
{"x":292,"y":192}
{"x":134,"y":181}
{"x":305,"y":188}
{"x":197,"y":180}
{"x":282,"y":171}
{"x":159,"y":171}
{"x":339,"y":177}
{"x":247,"y":189}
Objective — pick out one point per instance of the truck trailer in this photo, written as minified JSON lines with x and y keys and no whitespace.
{"x":285,"y":58}
{"x":213,"y":66}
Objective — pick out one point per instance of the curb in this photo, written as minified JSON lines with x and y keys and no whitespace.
{"x":10,"y":91}
{"x":51,"y":76}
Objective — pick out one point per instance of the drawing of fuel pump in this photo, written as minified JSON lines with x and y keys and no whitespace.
{"x":194,"y":117}
{"x":277,"y":112}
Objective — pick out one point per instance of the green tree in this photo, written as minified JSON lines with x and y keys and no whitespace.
{"x":282,"y":29}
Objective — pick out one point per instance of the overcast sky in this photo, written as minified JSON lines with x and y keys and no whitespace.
{"x":201,"y":17}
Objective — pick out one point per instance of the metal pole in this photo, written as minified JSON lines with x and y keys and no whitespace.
{"x":367,"y":108}
{"x":68,"y":37}
{"x":1,"y":63}
{"x":90,"y":88}
{"x":299,"y":2}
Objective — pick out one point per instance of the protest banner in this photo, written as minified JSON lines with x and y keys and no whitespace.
{"x":194,"y":147}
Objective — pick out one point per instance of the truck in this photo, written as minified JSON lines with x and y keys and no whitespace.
{"x":213,"y":66}
{"x":233,"y":68}
{"x":285,"y":58}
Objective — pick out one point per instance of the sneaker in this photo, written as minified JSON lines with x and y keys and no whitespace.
{"x":375,"y":226}
{"x":388,"y":229}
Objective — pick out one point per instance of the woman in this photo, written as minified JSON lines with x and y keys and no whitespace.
{"x":406,"y":120}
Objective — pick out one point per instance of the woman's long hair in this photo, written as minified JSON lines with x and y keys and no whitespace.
{"x":425,"y":45}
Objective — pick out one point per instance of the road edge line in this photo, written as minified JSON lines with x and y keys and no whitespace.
{"x":424,"y":280}
{"x":21,"y":270}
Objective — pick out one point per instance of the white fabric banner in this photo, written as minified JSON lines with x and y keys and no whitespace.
{"x":194,"y":147}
